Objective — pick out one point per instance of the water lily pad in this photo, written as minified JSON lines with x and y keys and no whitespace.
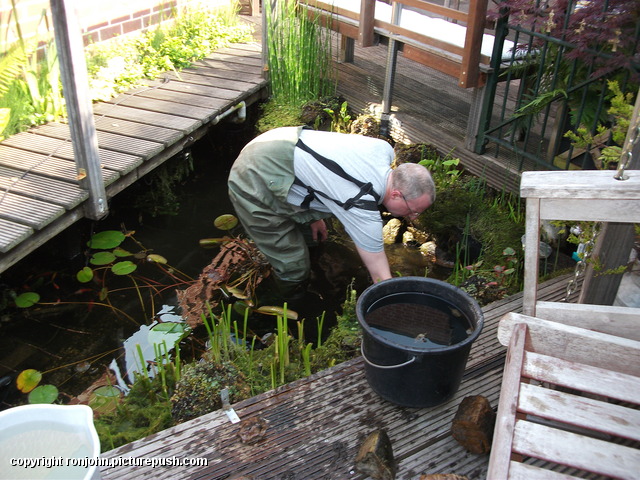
{"x":169,"y":327}
{"x":167,"y":332}
{"x":43,"y":394}
{"x":269,"y":310}
{"x":85,"y":275}
{"x":28,"y":380}
{"x":213,"y":242}
{"x":124,"y":268}
{"x":104,"y":293}
{"x":241,"y":307}
{"x":226,"y":222}
{"x":102,"y":258}
{"x":27,"y":299}
{"x":121,"y":252}
{"x":105,"y":399}
{"x":155,"y":258}
{"x":106,"y":240}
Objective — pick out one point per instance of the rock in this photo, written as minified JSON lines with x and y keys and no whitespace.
{"x":428,"y":249}
{"x":473,"y":424}
{"x":252,"y":430}
{"x":391,"y":231}
{"x":419,"y":236}
{"x":408,"y":238}
{"x":375,"y":457}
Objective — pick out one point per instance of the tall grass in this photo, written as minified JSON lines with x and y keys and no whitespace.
{"x":299,"y":55}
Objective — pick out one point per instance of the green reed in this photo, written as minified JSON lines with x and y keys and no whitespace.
{"x":299,"y":55}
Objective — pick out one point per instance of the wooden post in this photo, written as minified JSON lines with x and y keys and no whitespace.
{"x":365,"y":27}
{"x":75,"y":85}
{"x":615,"y":241}
{"x":470,"y":69}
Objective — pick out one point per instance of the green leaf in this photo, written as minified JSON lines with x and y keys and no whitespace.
{"x":85,"y":275}
{"x":509,"y":251}
{"x":226,"y":222}
{"x":27,"y":299}
{"x":105,"y":399}
{"x":213,"y":242}
{"x":269,"y":310}
{"x":107,"y":239}
{"x":241,"y":307}
{"x":28,"y":380}
{"x":102,"y":258}
{"x":169,"y":327}
{"x":121,"y":252}
{"x":43,"y":394}
{"x":155,"y":258}
{"x":104,"y":293}
{"x":124,"y":268}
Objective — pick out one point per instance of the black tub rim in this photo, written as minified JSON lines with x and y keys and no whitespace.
{"x":418,"y":350}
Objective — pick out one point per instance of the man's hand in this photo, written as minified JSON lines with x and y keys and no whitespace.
{"x":319,"y":231}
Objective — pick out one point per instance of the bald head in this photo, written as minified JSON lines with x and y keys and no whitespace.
{"x":413,"y":181}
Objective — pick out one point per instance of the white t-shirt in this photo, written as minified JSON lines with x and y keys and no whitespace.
{"x":364,"y":158}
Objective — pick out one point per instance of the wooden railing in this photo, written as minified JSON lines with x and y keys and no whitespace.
{"x":464,"y":61}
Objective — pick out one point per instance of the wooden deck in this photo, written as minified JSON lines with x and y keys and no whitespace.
{"x":317,"y":424}
{"x":137,"y":131}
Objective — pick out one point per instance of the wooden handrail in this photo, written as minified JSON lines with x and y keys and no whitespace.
{"x":466,"y":69}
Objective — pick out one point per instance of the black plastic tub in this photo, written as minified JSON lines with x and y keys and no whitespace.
{"x":417,"y":334}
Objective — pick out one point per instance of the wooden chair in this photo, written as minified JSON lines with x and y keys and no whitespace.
{"x":570,"y":398}
{"x":569,"y":402}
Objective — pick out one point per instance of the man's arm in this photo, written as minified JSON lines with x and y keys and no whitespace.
{"x":376,"y":263}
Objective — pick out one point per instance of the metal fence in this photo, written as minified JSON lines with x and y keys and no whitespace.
{"x":556,"y":81}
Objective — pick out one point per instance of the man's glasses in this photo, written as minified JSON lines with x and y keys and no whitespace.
{"x":414,"y":214}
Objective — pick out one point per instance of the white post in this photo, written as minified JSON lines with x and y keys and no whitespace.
{"x":75,"y":85}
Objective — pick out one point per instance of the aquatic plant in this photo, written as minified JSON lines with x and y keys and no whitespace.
{"x":299,"y":55}
{"x":198,"y":391}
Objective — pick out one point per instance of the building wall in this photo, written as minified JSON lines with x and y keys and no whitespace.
{"x":98,"y":23}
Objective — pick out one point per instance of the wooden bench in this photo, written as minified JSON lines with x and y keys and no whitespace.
{"x":570,"y":395}
{"x":568,"y":403}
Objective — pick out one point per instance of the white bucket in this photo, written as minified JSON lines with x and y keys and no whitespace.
{"x":49,"y":442}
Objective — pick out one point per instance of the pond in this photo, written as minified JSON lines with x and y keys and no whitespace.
{"x":73,"y":338}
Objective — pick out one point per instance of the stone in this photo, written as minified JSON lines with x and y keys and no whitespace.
{"x":375,"y":457}
{"x":391,"y":230}
{"x":473,"y":424}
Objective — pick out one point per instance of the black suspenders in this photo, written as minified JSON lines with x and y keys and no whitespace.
{"x":365,"y":188}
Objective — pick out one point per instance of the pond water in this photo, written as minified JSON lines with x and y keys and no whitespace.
{"x":74,"y":340}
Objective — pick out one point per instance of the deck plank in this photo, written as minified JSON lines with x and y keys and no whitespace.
{"x":60,"y":168}
{"x":28,"y":211}
{"x":12,"y":233}
{"x":201,"y":115}
{"x":212,"y":104}
{"x":143,"y":131}
{"x":50,"y":190}
{"x":195,"y":89}
{"x":109,"y":141}
{"x":117,"y":111}
{"x":120,"y":162}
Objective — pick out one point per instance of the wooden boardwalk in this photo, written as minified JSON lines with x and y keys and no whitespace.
{"x":317,"y":424}
{"x":137,"y":131}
